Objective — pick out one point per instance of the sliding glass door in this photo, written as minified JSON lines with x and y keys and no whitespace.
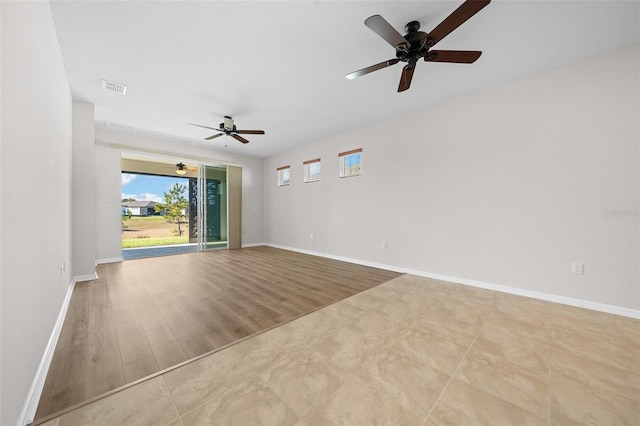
{"x":211,"y":190}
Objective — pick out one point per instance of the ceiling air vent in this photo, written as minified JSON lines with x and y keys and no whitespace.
{"x":118,"y":88}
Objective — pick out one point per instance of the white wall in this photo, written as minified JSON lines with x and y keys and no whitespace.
{"x":108,"y":229}
{"x":36,"y":194}
{"x":108,"y":184}
{"x":83,"y":199}
{"x":507,"y":186}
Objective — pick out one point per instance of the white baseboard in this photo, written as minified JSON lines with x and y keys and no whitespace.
{"x":28,"y":412}
{"x":595,"y":306}
{"x":109,"y":260}
{"x":610,"y":309}
{"x":88,"y":277}
{"x":343,"y":259}
{"x":253,"y":245}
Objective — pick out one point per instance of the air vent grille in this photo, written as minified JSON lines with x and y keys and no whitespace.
{"x":118,"y":88}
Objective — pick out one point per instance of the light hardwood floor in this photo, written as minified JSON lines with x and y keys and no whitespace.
{"x":411,"y":351}
{"x":144,"y":316}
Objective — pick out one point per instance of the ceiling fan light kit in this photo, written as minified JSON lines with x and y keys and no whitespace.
{"x":182,"y":169}
{"x":416,"y":44}
{"x":229,"y":128}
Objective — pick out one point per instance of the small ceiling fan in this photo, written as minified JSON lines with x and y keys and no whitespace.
{"x":229,"y":128}
{"x":417,"y":44}
{"x":182,"y":168}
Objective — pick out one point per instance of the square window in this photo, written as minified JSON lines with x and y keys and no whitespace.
{"x":283,"y":175}
{"x":349,"y":163}
{"x":312,"y":170}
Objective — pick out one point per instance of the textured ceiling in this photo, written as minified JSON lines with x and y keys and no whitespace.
{"x":281,"y":66}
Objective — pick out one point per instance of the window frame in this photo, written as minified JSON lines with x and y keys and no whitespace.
{"x":342,"y":168}
{"x":308,"y":178}
{"x":280,"y":181}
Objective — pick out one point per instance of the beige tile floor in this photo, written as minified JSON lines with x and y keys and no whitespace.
{"x":412,"y":351}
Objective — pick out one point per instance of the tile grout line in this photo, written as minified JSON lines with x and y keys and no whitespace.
{"x":285,"y":403}
{"x":453,"y":374}
{"x":173,"y":401}
{"x":350,"y":375}
{"x":351,"y":378}
{"x":203,"y":402}
{"x":278,"y":361}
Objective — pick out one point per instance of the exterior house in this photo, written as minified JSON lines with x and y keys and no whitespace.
{"x":139,"y":208}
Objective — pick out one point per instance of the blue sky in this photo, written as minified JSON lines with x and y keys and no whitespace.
{"x":147,"y":187}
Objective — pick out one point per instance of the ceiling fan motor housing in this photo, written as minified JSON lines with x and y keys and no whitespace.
{"x":229,"y":128}
{"x":228,"y":124}
{"x":418,"y":44}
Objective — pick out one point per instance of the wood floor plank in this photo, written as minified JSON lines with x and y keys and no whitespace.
{"x":145,"y":315}
{"x":174,"y":316}
{"x":134,"y":348}
{"x":220,"y":338}
{"x":132,"y":338}
{"x":161,"y":299}
{"x":140,"y":368}
{"x":66,"y":381}
{"x":164,"y":344}
{"x":102,"y":330}
{"x":99,"y":296}
{"x":202,"y":316}
{"x":146,"y":308}
{"x":105,"y":372}
{"x":75,"y":329}
{"x":192,"y":341}
{"x":223,"y":316}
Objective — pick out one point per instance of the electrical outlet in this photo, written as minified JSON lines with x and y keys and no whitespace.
{"x":311,"y":236}
{"x":384,"y":245}
{"x":62,"y":267}
{"x":577,"y":268}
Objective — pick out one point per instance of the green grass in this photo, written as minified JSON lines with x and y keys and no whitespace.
{"x":147,"y":242}
{"x":145,"y":221}
{"x":148,"y":218}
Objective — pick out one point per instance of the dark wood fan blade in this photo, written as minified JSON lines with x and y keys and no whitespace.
{"x":250,"y":132}
{"x":455,"y":56}
{"x":213,"y":137}
{"x":380,"y":26}
{"x":240,"y":138}
{"x":206,"y":127}
{"x":405,"y":78}
{"x":457,"y":18}
{"x":372,"y":68}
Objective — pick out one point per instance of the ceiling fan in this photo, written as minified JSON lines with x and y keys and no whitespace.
{"x":417,"y":44}
{"x":229,"y":129}
{"x":182,"y":168}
